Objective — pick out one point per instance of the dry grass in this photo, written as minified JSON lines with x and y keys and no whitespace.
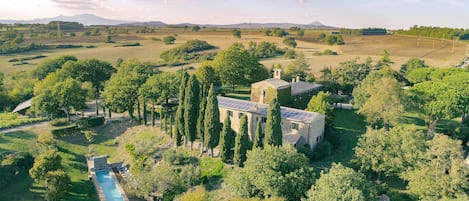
{"x":401,"y":48}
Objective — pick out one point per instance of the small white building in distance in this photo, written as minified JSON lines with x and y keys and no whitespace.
{"x":299,"y":127}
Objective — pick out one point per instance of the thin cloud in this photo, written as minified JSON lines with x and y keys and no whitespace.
{"x":80,"y":4}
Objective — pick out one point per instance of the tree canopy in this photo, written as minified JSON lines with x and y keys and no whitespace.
{"x":320,"y":103}
{"x":442,"y":174}
{"x":236,"y":66}
{"x":273,"y":172}
{"x":341,"y":183}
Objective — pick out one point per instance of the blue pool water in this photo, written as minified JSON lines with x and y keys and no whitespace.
{"x":111,"y":193}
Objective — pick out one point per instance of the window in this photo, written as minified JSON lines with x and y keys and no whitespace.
{"x":230,"y":113}
{"x":240,"y":114}
{"x":294,"y":126}
{"x":264,"y":119}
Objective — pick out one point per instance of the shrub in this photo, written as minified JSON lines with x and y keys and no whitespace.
{"x":65,"y":131}
{"x":90,"y":122}
{"x":169,"y":40}
{"x":130,"y":44}
{"x":306,"y":150}
{"x":173,"y":157}
{"x":322,"y":150}
{"x":290,"y":54}
{"x":197,"y":194}
{"x":90,"y":136}
{"x":59,"y":122}
{"x":211,"y":169}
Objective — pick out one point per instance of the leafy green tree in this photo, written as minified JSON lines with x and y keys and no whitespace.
{"x":384,"y":105}
{"x":236,"y":66}
{"x":69,"y":94}
{"x":411,"y":64}
{"x":191,"y":109}
{"x":290,"y":41}
{"x":226,"y":142}
{"x":50,"y":160}
{"x":437,"y":100}
{"x":57,"y":183}
{"x":207,"y":75}
{"x":419,"y":75}
{"x":360,"y":93}
{"x":46,"y":104}
{"x":211,"y":121}
{"x":169,"y":40}
{"x":385,"y":61}
{"x":341,"y":183}
{"x":121,"y":91}
{"x":390,"y":152}
{"x":196,"y":28}
{"x":298,"y":67}
{"x":51,"y":65}
{"x":236,"y":33}
{"x":442,"y":174}
{"x":259,"y":136}
{"x":91,"y":70}
{"x":242,"y":144}
{"x":273,"y":172}
{"x":273,"y":125}
{"x":180,"y":128}
{"x":159,"y":89}
{"x":320,"y":103}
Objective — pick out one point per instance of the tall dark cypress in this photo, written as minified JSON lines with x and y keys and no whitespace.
{"x":241,"y":145}
{"x":211,"y":121}
{"x":259,"y":136}
{"x":200,"y":118}
{"x":191,"y":109}
{"x":180,"y":110}
{"x":226,"y":142}
{"x":273,"y":127}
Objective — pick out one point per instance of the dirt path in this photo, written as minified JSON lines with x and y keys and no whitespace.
{"x":24,"y":127}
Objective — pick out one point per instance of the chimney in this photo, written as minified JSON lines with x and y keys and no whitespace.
{"x":293,"y":80}
{"x":278,"y":73}
{"x":297,"y":78}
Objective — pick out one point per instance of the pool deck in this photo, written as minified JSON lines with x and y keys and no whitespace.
{"x":97,"y":186}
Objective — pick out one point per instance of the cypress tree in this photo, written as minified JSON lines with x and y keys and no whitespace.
{"x":191,"y":109}
{"x":211,"y":121}
{"x":259,"y":136}
{"x":241,"y":145}
{"x":273,"y":127}
{"x":226,"y":141}
{"x":200,"y":119}
{"x":145,"y":112}
{"x":180,"y":111}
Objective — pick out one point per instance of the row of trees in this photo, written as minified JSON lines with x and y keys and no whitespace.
{"x":436,"y":32}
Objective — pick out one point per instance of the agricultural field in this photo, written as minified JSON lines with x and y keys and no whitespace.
{"x":435,"y":52}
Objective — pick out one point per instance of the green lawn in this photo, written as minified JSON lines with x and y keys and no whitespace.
{"x":349,"y":127}
{"x":73,"y":160}
{"x":8,"y":120}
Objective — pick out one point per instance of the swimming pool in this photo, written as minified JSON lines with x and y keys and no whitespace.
{"x":111,"y":193}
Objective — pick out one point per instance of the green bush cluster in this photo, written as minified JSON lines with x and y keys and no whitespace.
{"x":67,"y":46}
{"x":322,"y":150}
{"x":187,"y":52}
{"x":130,"y":44}
{"x":92,"y":121}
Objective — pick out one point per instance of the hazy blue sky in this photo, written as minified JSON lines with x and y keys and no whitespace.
{"x":341,"y":13}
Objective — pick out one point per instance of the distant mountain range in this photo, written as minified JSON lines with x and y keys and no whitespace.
{"x":89,"y":19}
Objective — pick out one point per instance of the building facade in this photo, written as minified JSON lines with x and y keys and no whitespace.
{"x":295,"y":94}
{"x":299,"y":127}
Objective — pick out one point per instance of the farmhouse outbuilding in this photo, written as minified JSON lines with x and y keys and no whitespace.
{"x":295,"y":94}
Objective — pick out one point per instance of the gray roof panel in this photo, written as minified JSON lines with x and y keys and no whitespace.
{"x":285,"y":112}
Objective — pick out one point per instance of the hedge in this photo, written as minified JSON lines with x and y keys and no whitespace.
{"x":65,"y":131}
{"x":93,"y":121}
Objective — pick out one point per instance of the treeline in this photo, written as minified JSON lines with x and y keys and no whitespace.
{"x":364,"y":32}
{"x":437,"y":32}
